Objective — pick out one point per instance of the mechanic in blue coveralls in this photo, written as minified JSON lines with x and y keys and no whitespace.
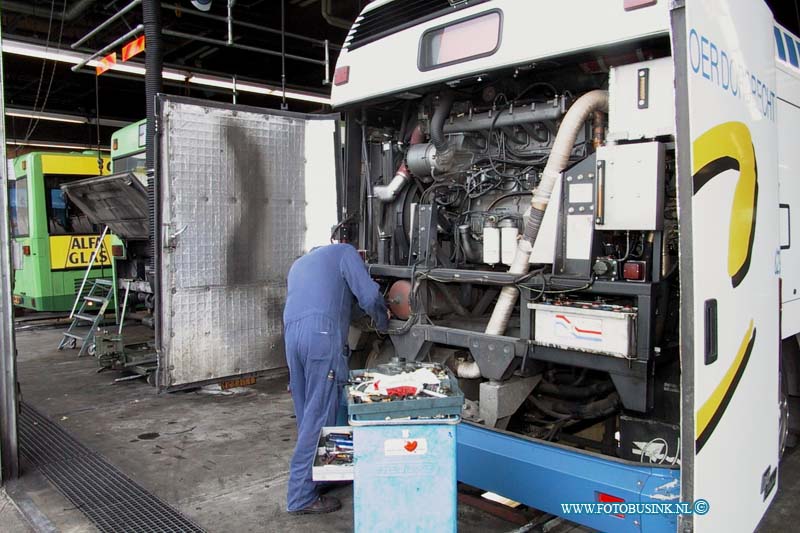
{"x":322,"y":287}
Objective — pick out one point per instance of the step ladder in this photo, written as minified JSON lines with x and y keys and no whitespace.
{"x":90,"y":312}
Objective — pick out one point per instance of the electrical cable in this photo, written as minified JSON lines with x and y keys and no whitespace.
{"x":35,"y":122}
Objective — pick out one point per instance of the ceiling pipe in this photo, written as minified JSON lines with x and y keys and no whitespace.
{"x":330,"y":18}
{"x":209,"y":40}
{"x":108,"y":48}
{"x":105,"y":24}
{"x":230,"y":21}
{"x":250,"y":25}
{"x":70,"y":14}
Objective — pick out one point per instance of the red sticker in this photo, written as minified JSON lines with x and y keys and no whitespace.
{"x":411,"y":446}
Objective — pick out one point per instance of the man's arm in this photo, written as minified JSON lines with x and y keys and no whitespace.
{"x":366,"y":291}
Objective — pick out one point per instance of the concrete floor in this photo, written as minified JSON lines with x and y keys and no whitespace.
{"x":11,"y":519}
{"x":222,"y":460}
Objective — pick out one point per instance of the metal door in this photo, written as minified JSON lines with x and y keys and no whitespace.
{"x":242,"y":193}
{"x":728,"y":201}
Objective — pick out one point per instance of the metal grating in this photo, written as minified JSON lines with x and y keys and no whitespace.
{"x":397,"y":16}
{"x":110,"y":499}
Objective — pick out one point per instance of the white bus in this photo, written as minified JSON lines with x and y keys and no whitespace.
{"x":587,"y":210}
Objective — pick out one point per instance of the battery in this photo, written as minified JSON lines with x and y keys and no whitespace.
{"x":586,"y":326}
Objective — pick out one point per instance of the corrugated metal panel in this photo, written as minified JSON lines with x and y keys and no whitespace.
{"x":233,"y":207}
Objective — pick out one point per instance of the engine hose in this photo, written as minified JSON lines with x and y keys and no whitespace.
{"x":595,"y":409}
{"x":444,"y":152}
{"x":388,"y":193}
{"x":575,"y":393}
{"x":583,"y":108}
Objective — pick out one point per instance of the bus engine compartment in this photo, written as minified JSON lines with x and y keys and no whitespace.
{"x":523,"y":227}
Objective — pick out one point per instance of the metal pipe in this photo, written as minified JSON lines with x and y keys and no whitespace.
{"x":133,"y":33}
{"x":283,"y":55}
{"x":9,"y":452}
{"x":72,"y":13}
{"x":182,"y":35}
{"x":230,"y":22}
{"x":250,"y":25}
{"x":105,"y":24}
{"x":124,"y":306}
{"x":327,"y":64}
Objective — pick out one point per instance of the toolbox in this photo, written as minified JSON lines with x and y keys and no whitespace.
{"x":420,"y":407}
{"x":322,"y":470}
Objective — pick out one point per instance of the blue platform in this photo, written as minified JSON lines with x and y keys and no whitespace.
{"x":545,"y":475}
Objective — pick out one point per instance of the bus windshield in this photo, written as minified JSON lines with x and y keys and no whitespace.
{"x":64,"y":217}
{"x":131,"y":163}
{"x":18,"y":206}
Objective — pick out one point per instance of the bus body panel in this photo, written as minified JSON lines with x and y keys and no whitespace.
{"x":732,"y":341}
{"x":128,"y":149}
{"x":392,"y":66}
{"x":37,"y":285}
{"x":788,"y":120}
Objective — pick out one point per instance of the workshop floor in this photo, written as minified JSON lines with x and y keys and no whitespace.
{"x":222,"y":460}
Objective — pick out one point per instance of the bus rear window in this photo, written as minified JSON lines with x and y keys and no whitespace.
{"x":64,"y":217}
{"x":18,"y":206}
{"x":466,"y":39}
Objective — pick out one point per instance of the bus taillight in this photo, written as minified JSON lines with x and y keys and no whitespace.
{"x":26,"y":250}
{"x":117,"y":251}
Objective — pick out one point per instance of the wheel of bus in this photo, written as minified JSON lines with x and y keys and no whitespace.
{"x":788,"y":376}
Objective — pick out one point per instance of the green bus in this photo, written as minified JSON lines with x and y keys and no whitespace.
{"x":128,"y":148}
{"x":52,"y":239}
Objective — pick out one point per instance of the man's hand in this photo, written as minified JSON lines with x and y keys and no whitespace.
{"x":389,"y":313}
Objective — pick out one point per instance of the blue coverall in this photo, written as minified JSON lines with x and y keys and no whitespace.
{"x":316,"y":320}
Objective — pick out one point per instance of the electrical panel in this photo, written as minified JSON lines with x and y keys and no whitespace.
{"x":576,"y":244}
{"x":642,"y":100}
{"x":630,"y":187}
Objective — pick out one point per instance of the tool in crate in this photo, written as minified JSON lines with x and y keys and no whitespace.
{"x":403,"y":390}
{"x":338,"y":449}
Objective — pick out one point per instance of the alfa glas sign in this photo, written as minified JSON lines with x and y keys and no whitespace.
{"x":69,"y":252}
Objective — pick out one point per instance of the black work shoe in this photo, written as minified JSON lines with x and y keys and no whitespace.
{"x":324,"y":504}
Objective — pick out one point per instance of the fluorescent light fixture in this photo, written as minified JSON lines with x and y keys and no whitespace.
{"x":55,"y":117}
{"x":48,"y":144}
{"x":183,"y":76}
{"x":62,"y":117}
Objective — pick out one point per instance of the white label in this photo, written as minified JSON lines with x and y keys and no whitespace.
{"x":579,"y":236}
{"x":400,"y":447}
{"x":581,"y":193}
